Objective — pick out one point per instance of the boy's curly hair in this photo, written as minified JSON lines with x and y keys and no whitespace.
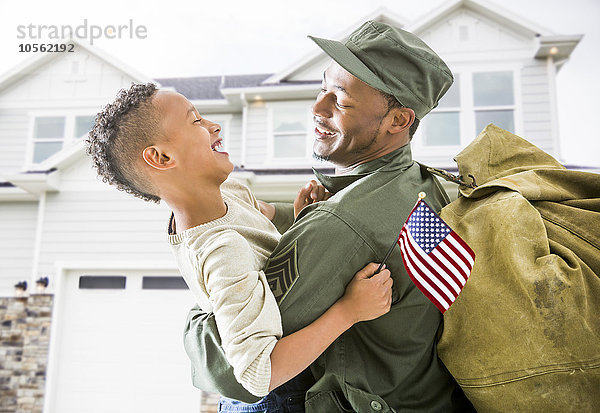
{"x":121,"y":132}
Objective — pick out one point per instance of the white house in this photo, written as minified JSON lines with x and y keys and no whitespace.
{"x":119,"y":305}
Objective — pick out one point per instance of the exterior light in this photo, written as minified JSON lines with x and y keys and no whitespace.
{"x":20,"y":288}
{"x":553,"y":50}
{"x":41,"y":284}
{"x":257,"y":97}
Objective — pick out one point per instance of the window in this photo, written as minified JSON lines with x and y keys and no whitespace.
{"x":51,"y":133}
{"x":442,"y":126}
{"x":290,"y":125}
{"x":48,"y":136}
{"x":476,"y":99}
{"x":493,"y":98}
{"x":83,"y":124}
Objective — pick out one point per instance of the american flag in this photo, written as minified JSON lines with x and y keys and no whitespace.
{"x":436,"y":258}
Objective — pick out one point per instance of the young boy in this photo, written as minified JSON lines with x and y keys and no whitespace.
{"x":155,"y":145}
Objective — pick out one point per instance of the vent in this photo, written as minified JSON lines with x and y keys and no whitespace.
{"x":163,"y":283}
{"x":102,"y":282}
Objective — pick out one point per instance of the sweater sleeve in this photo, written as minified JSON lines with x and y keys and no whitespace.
{"x":245,"y":309}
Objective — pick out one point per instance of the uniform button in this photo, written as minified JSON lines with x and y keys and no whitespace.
{"x":375,"y":405}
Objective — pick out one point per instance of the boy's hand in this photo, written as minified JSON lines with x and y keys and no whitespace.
{"x":266,"y":209}
{"x":368,"y":298}
{"x":309,"y":193}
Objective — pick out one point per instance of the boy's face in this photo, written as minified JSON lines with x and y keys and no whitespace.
{"x":192,"y":142}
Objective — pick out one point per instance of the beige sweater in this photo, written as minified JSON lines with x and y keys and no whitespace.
{"x":222,"y":262}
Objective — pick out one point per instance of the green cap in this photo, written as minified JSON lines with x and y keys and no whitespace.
{"x":394,"y":61}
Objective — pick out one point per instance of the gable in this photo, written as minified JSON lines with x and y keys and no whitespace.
{"x":466,"y":31}
{"x":66,"y":80}
{"x":311,"y":67}
{"x":311,"y":72}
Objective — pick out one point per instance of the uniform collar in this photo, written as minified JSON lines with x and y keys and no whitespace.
{"x":399,"y":159}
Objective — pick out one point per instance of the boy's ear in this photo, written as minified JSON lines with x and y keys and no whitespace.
{"x":402,"y":118}
{"x":157,"y":158}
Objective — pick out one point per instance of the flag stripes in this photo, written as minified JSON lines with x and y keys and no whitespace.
{"x":436,"y":258}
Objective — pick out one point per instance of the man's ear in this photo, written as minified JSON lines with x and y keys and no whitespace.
{"x":158,"y":158}
{"x":402,"y":118}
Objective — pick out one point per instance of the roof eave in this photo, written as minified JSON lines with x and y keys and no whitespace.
{"x":36,"y":182}
{"x":267,"y":92}
{"x":16,"y":194}
{"x":557,"y":47}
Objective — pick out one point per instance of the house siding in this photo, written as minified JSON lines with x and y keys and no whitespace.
{"x":14,"y":127}
{"x":17,"y":239}
{"x":537,"y":115}
{"x":92,"y":221}
{"x":234,"y":144}
{"x":102,"y":226}
{"x":257,"y":135}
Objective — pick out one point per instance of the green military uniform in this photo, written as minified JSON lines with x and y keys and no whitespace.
{"x":383,"y":365}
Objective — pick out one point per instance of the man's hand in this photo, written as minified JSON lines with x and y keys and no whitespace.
{"x":309,"y":193}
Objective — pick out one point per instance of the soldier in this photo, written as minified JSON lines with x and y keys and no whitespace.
{"x":381,"y":82}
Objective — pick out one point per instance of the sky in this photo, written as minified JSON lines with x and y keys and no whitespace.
{"x":197,"y":38}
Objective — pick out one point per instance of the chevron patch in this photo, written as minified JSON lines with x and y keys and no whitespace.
{"x":282,"y":272}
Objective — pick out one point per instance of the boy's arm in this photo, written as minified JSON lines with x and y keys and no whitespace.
{"x":246,"y":312}
{"x":283,"y":214}
{"x":280,"y":213}
{"x":367,"y":297}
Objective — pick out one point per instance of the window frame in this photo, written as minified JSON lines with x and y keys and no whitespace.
{"x":467,"y":115}
{"x":68,"y":137}
{"x":304,"y":160}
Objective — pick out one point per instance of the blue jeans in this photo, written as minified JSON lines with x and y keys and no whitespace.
{"x":287,"y":398}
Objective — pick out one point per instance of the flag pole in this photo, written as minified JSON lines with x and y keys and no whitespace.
{"x":421,"y":196}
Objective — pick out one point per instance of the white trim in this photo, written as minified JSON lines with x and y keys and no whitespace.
{"x":54,"y":344}
{"x":16,"y":194}
{"x":39,"y":230}
{"x":68,"y":139}
{"x":551,"y":68}
{"x":493,"y":12}
{"x":141,"y":265}
{"x":272,"y":89}
{"x":36,"y":183}
{"x":244,"y":149}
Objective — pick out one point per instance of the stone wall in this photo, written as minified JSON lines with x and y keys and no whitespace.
{"x":24,"y":338}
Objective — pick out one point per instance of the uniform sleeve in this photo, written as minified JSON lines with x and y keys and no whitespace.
{"x":284,"y":216}
{"x":246,"y":314}
{"x":327,"y":249}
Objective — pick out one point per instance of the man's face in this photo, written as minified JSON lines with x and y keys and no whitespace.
{"x":193,"y":141}
{"x":348,"y":114}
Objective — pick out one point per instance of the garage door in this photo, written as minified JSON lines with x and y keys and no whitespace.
{"x":119,"y":345}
